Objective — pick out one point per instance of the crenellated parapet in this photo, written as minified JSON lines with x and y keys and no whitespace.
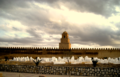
{"x":100,"y":52}
{"x":29,"y":48}
{"x":55,"y":48}
{"x":95,"y":49}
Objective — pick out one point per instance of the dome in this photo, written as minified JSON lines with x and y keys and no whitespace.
{"x":65,"y":32}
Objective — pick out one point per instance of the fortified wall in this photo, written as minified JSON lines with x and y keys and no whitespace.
{"x":94,"y":52}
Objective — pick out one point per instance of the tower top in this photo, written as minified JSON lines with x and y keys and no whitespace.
{"x":65,"y":41}
{"x":65,"y":32}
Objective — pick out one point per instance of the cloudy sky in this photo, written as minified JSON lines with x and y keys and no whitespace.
{"x":40,"y":23}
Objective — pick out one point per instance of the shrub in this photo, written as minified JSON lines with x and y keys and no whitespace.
{"x":6,"y":58}
{"x":94,"y":63}
{"x":37,"y":62}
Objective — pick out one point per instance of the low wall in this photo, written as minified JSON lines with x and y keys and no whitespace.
{"x":63,"y":70}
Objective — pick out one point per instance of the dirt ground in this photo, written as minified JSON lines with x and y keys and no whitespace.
{"x":14,"y":74}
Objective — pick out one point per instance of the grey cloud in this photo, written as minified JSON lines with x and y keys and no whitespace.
{"x":26,"y":42}
{"x":102,"y":7}
{"x":5,"y":15}
{"x":94,"y":35}
{"x":33,"y":33}
{"x":57,"y":28}
{"x":99,"y":36}
{"x":11,"y":4}
{"x":27,"y":17}
{"x":91,"y":34}
{"x":22,"y":40}
{"x":16,"y":29}
{"x":52,"y":3}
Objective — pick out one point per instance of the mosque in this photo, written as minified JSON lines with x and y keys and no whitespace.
{"x":64,"y":46}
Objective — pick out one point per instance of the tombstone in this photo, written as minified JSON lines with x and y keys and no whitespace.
{"x":95,"y":58}
{"x":50,"y":59}
{"x":87,"y":59}
{"x":55,"y":59}
{"x":101,"y":61}
{"x":59,"y":58}
{"x":16,"y":59}
{"x":116,"y":61}
{"x":72,"y":59}
{"x":81,"y":59}
{"x":111,"y":60}
{"x":105,"y":61}
{"x":31,"y":59}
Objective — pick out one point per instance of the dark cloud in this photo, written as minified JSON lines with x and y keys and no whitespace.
{"x":102,"y":7}
{"x":11,"y":4}
{"x":96,"y":35}
{"x":91,"y":34}
{"x":52,"y":3}
{"x":94,"y":6}
{"x":27,"y":40}
{"x":26,"y":17}
{"x":6,"y":15}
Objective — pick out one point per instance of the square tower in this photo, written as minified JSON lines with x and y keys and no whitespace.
{"x":65,"y":41}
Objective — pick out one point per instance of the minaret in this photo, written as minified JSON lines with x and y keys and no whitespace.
{"x":65,"y":41}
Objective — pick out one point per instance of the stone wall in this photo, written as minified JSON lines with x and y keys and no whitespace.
{"x":63,"y":70}
{"x":91,"y":52}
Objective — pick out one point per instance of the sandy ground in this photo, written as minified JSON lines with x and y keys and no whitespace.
{"x":12,"y":74}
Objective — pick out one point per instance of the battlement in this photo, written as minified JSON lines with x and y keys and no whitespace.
{"x":98,"y":52}
{"x":59,"y":49}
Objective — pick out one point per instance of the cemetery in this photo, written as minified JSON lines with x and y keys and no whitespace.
{"x":64,"y":60}
{"x":63,"y":66}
